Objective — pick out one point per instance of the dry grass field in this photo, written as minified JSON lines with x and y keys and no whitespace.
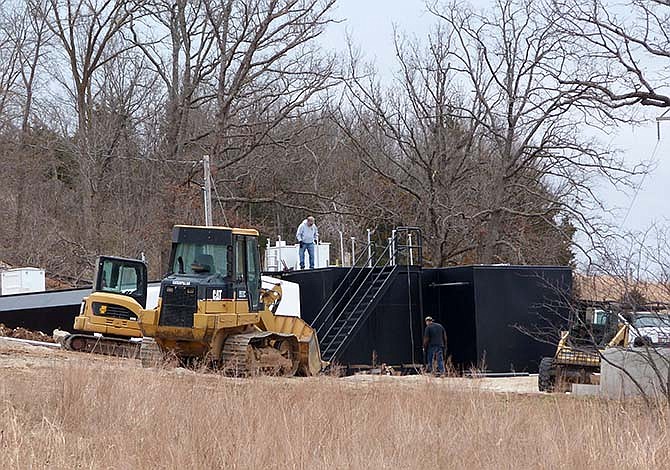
{"x":65,"y":410}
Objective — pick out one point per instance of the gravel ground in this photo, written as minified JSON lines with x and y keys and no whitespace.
{"x":527,"y":384}
{"x":25,"y":357}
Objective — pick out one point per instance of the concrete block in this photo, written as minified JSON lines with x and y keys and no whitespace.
{"x":585,"y":390}
{"x":633,"y":372}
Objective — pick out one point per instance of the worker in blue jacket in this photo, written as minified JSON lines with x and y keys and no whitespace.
{"x":307,"y":236}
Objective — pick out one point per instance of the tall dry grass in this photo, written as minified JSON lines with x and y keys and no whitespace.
{"x":125,"y":417}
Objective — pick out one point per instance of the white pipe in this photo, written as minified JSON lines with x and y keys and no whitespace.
{"x":31,"y":342}
{"x":208,"y":191}
{"x":411,"y":258}
{"x":353,"y":250}
{"x":342,"y":248}
{"x":369,"y":249}
{"x":280,"y":265}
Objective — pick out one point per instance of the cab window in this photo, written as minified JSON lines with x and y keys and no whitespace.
{"x":253,"y":272}
{"x":240,"y":260}
{"x":124,"y":277}
{"x":192,"y":258}
{"x":118,"y":278}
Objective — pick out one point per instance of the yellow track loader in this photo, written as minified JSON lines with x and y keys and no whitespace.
{"x":108,"y":322}
{"x":211,"y":307}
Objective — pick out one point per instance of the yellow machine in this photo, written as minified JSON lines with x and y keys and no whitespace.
{"x":578,"y":353}
{"x":211,"y":307}
{"x":108,"y":322}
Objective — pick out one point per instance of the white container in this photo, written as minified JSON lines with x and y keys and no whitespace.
{"x":282,"y":257}
{"x":21,"y":281}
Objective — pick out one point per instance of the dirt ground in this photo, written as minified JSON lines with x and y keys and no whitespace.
{"x":15,"y":355}
{"x":40,"y":360}
{"x":22,"y":333}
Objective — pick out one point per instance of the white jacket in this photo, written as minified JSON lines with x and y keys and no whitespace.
{"x":307,"y":234}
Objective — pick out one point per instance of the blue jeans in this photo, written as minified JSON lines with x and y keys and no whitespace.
{"x":301,"y":254}
{"x":435,"y":352}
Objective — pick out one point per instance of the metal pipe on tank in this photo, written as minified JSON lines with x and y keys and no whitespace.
{"x":409,"y":242}
{"x":279,"y":248}
{"x":316,"y":253}
{"x":390,"y":244}
{"x":393,"y":247}
{"x":369,"y":249}
{"x":342,"y":248}
{"x":353,"y":250}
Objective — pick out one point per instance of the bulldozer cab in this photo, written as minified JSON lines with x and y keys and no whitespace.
{"x":210,"y":308}
{"x":224,"y":262}
{"x":122,"y":276}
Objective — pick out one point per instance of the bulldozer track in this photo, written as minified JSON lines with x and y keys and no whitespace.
{"x":260,"y":353}
{"x":150,"y":353}
{"x":101,"y":345}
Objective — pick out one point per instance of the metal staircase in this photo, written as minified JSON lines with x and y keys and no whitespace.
{"x":359,"y":293}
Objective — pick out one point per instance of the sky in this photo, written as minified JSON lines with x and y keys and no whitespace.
{"x":370,"y":24}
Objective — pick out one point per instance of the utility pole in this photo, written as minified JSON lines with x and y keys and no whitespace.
{"x":208,"y":191}
{"x":662,"y":117}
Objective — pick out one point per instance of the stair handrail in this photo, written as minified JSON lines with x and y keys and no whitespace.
{"x":392,"y":247}
{"x":357,"y":290}
{"x":355,"y":294}
{"x":363,"y":251}
{"x":353,"y":327}
{"x":418,"y":245}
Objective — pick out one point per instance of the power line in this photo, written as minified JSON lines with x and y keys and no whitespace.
{"x":218,"y":199}
{"x":637,"y":190}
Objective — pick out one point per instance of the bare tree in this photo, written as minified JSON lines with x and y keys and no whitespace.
{"x":179,"y":45}
{"x":269,"y":69}
{"x":10,"y":62}
{"x":478,"y":140}
{"x":89,"y":34}
{"x":622,"y":50}
{"x":409,"y":139}
{"x":511,"y":63}
{"x":483,"y":138}
{"x":29,"y":36}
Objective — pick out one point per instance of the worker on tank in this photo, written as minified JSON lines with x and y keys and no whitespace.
{"x":307,"y":236}
{"x":434,"y":344}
